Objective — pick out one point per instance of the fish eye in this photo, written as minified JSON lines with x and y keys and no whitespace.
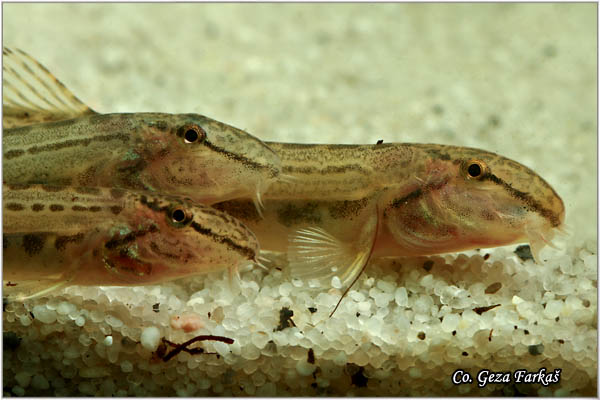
{"x":179,"y":217}
{"x":475,"y":169}
{"x":191,"y":136}
{"x":192,"y":133}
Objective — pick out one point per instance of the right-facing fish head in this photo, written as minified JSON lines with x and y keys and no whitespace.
{"x":165,"y":239}
{"x":206,"y":160}
{"x":464,"y":198}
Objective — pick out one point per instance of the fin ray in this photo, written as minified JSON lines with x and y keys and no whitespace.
{"x":315,"y":253}
{"x":32,"y":94}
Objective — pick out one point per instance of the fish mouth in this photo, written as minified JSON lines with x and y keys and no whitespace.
{"x":516,"y":222}
{"x":555,"y":217}
{"x":532,"y":226}
{"x":541,"y":236}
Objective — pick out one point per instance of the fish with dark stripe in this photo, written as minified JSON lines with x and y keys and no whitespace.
{"x":343,"y":205}
{"x":55,"y":139}
{"x":74,"y":236}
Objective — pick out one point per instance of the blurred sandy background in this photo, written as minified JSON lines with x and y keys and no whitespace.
{"x":517,"y":79}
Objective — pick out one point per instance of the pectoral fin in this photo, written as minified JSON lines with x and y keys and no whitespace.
{"x":313,"y":253}
{"x":31,"y":94}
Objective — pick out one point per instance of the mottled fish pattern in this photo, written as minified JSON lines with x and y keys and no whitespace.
{"x":55,"y":236}
{"x":346,"y":203}
{"x":51,"y":137}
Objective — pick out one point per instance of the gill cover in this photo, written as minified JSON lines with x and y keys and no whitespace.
{"x":463,"y":198}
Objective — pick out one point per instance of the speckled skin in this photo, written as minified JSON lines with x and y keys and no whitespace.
{"x":425,"y":200}
{"x":95,"y":236}
{"x":51,"y":137}
{"x":143,"y":151}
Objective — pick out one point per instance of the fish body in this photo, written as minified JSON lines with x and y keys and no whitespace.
{"x":141,"y":151}
{"x":50,"y":137}
{"x":347,"y":203}
{"x":56,"y":236}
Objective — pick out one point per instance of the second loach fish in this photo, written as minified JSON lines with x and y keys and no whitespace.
{"x":345,"y":204}
{"x":60,"y":236}
{"x":51,"y":137}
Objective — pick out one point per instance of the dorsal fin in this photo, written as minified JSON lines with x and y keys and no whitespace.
{"x":31,"y":94}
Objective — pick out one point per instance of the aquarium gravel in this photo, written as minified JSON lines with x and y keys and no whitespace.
{"x":403,"y":330}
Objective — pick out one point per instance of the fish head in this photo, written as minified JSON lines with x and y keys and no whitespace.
{"x":462,"y":198}
{"x":207,"y":160}
{"x":166,"y":239}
